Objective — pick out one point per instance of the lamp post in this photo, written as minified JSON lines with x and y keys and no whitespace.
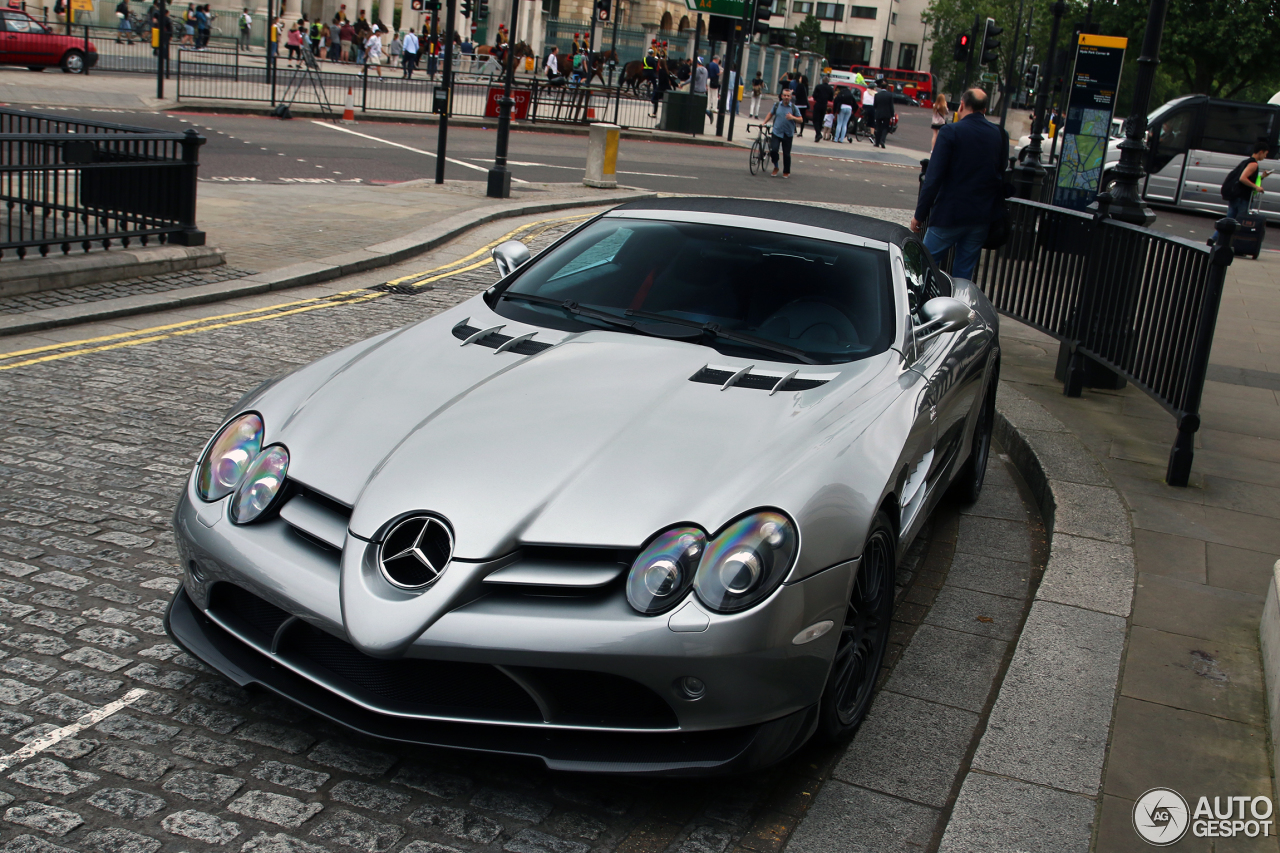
{"x":1028,"y":173}
{"x":162,"y":45}
{"x":1126,"y":204}
{"x":446,"y":80}
{"x":499,"y":177}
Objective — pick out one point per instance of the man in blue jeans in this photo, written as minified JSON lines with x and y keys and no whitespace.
{"x":963,"y":185}
{"x":1245,"y":185}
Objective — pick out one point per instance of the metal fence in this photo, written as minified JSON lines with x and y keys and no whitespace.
{"x":224,"y":76}
{"x":66,"y":183}
{"x":1137,"y":302}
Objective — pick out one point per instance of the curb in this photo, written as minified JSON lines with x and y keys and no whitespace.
{"x":37,"y":274}
{"x":1269,"y":635}
{"x":302,"y":274}
{"x":191,"y":107}
{"x":1037,"y":770}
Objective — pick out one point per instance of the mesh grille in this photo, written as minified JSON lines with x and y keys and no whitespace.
{"x":251,"y":612}
{"x":493,"y":340}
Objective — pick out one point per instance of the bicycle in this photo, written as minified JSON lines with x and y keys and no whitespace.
{"x":860,"y":129}
{"x":759,"y":148}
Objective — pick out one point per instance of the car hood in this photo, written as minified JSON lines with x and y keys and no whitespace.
{"x":600,"y":440}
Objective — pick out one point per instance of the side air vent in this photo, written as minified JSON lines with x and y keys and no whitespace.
{"x":523,"y":344}
{"x":755,"y":381}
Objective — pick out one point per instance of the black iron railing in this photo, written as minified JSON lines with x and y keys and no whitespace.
{"x":1136,"y":302}
{"x":68,"y":183}
{"x":228,"y":76}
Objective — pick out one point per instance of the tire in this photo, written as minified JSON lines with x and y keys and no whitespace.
{"x":864,"y":636}
{"x":967,"y":485}
{"x":757,"y":156}
{"x":73,"y":62}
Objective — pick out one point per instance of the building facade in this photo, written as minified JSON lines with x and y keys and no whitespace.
{"x":886,"y":33}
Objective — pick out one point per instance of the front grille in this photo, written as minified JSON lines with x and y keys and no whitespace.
{"x":259,"y":618}
{"x":493,"y":340}
{"x":755,"y":381}
{"x":443,"y":688}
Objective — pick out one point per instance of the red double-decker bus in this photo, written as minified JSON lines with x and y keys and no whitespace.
{"x":915,"y":84}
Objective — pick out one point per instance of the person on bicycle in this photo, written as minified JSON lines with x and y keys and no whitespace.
{"x":785,"y":116}
{"x":868,"y":117}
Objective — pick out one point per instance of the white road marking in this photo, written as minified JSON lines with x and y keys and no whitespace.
{"x":462,"y":163}
{"x":658,"y":175}
{"x":92,"y":718}
{"x":579,"y":168}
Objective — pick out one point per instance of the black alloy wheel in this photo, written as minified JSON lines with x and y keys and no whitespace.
{"x":864,"y":636}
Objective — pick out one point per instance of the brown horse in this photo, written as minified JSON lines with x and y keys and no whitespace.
{"x":598,"y":63}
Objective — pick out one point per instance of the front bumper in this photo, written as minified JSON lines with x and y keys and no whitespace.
{"x":734,"y":750}
{"x":605,"y":681}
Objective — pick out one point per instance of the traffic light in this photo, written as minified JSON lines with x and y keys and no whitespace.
{"x":602,"y":10}
{"x":466,"y":8}
{"x":1032,"y":80}
{"x":764,"y":11}
{"x":961,"y":53}
{"x":989,"y":43}
{"x":482,"y":9}
{"x":431,"y":5}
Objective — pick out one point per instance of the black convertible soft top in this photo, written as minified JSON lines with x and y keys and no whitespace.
{"x":800,"y":214}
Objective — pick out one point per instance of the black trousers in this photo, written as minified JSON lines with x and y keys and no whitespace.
{"x":882,"y":130}
{"x":785,"y":142}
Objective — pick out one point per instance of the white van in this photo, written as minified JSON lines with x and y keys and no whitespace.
{"x":1193,"y":142}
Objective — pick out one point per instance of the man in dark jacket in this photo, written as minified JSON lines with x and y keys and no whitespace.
{"x":963,"y":186}
{"x":884,"y":113}
{"x":823,"y":93}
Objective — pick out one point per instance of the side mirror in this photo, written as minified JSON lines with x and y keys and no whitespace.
{"x":943,"y":314}
{"x":510,"y":256}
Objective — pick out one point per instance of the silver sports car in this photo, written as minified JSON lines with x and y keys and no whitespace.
{"x":636,"y":508}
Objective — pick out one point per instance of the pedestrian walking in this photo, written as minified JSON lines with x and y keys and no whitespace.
{"x":552,"y":66}
{"x":883,"y":102}
{"x":202,"y":27}
{"x":784,"y":82}
{"x":713,"y":82}
{"x":293,"y":45}
{"x":941,"y":115}
{"x":963,"y":188}
{"x":661,"y":85}
{"x":800,"y":98}
{"x":757,"y":92}
{"x":846,"y":100}
{"x":189,"y":25}
{"x":346,"y":36}
{"x":410,"y":59}
{"x":868,"y":116}
{"x":823,"y":94}
{"x":246,"y":30}
{"x":373,"y":51}
{"x":1242,"y":182}
{"x":785,"y":116}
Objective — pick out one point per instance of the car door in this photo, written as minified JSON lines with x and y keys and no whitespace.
{"x":46,"y":48}
{"x":1168,"y":143}
{"x":920,"y":364}
{"x":13,"y":45}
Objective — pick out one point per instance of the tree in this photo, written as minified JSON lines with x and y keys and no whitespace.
{"x":1224,"y":48}
{"x":812,"y":28}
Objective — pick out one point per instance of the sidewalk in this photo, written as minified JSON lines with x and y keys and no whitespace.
{"x":1190,"y":709}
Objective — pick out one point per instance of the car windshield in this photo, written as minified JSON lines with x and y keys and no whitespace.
{"x":759,"y":290}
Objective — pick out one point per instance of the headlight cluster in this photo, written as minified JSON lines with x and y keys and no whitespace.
{"x":237,"y":463}
{"x":737,"y":569}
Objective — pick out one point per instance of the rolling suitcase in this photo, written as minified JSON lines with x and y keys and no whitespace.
{"x":1252,"y":231}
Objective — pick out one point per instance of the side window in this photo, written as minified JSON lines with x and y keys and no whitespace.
{"x":915,"y":265}
{"x":1233,"y":128}
{"x":1170,"y":137}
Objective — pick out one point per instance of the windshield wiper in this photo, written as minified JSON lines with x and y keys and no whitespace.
{"x":571,"y":307}
{"x":715,"y":330}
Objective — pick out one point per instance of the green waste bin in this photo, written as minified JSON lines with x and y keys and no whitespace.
{"x":683,"y":112}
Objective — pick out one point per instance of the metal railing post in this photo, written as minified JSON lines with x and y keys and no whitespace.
{"x":364,"y":89}
{"x":1183,"y":451}
{"x":86,"y":49}
{"x":617,"y":101}
{"x":190,"y":235}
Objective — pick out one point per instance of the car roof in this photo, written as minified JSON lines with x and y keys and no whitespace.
{"x":800,"y":214}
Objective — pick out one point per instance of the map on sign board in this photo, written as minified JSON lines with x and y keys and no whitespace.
{"x":1083,"y":153}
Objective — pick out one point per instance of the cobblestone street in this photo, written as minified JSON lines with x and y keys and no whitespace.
{"x":100,"y":437}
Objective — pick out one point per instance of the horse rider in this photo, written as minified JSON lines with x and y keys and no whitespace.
{"x":650,"y":67}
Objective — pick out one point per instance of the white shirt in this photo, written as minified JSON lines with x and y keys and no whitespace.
{"x":410,"y":42}
{"x":552,"y":65}
{"x":373,"y":46}
{"x":868,"y":97}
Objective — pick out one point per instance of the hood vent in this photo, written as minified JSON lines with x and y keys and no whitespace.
{"x":755,"y":381}
{"x":520,"y":345}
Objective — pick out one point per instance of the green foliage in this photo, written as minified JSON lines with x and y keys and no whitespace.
{"x":812,"y":28}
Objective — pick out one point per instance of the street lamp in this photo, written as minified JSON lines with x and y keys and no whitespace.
{"x":499,"y":177}
{"x":1126,"y":204}
{"x":1029,"y":172}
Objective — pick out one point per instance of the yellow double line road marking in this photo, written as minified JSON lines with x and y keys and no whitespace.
{"x":104,"y":343}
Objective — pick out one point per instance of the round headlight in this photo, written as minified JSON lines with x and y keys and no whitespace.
{"x":661,"y":575}
{"x":261,"y":484}
{"x":236,"y":445}
{"x":746,"y":562}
